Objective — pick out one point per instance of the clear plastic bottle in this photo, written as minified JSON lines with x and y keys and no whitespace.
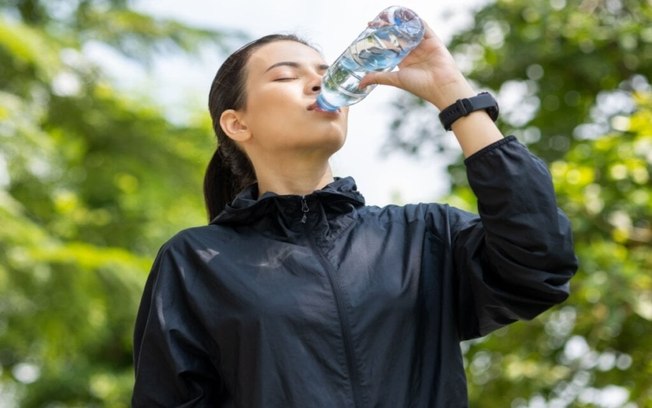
{"x":382,"y":46}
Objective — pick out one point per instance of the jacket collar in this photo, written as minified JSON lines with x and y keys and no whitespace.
{"x":338,"y":197}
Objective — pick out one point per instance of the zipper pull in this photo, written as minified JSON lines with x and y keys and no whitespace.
{"x":304,"y":210}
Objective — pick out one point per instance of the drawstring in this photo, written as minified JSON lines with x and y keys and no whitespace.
{"x":304,"y":210}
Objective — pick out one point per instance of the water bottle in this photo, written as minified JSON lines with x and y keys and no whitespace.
{"x":382,"y":46}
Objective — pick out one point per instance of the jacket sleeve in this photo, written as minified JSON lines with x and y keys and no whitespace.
{"x":514,"y":261}
{"x":174,"y":358}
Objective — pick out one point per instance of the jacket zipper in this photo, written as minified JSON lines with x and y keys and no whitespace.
{"x":344,"y":320}
{"x":304,"y":209}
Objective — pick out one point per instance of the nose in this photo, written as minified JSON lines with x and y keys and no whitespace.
{"x":314,"y":85}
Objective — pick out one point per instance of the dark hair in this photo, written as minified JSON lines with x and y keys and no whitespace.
{"x":230,"y":170}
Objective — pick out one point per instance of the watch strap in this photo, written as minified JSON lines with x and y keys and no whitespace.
{"x":463,"y":107}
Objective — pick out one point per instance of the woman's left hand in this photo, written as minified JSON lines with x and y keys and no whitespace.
{"x":428,"y":72}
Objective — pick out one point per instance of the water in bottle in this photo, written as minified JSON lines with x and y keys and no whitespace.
{"x":381,"y":47}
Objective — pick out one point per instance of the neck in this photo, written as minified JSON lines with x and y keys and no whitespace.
{"x":292,"y":177}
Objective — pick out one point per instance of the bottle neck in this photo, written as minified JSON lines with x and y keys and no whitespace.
{"x":325,"y":106}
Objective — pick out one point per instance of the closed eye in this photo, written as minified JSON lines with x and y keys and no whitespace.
{"x":284,"y":79}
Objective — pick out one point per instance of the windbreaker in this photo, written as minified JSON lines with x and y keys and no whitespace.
{"x":323,"y":301}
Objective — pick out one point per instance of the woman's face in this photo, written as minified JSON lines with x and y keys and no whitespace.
{"x":283,"y":80}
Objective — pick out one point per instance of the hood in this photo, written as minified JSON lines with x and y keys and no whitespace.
{"x":338,"y":197}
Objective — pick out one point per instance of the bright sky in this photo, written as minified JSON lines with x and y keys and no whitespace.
{"x":331,"y":25}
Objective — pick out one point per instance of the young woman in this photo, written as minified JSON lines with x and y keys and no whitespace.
{"x":297,"y":294}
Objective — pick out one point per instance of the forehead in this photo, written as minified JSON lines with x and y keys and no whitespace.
{"x":279,"y":51}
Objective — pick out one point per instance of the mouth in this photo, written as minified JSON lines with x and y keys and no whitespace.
{"x":315,"y":107}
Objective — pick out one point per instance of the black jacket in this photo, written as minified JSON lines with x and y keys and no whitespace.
{"x":321,"y":301}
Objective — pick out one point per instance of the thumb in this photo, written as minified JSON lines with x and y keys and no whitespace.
{"x":380,"y":78}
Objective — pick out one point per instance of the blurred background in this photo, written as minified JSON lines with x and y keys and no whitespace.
{"x":104,"y":137}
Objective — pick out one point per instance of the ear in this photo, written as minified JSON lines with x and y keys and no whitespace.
{"x":234,"y":126}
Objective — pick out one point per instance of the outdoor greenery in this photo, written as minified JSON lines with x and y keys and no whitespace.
{"x":94,"y":178}
{"x":92,"y":181}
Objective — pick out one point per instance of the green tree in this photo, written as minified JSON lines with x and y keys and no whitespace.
{"x":92,"y":181}
{"x":572,"y":79}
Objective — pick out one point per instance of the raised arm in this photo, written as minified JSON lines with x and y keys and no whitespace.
{"x":515,"y":260}
{"x":430,"y":73}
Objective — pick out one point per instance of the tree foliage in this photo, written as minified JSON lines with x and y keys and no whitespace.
{"x":92,"y":181}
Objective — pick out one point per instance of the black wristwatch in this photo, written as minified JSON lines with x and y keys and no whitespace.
{"x":463,"y":107}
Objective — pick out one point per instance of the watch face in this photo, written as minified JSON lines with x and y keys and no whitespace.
{"x":487,"y":102}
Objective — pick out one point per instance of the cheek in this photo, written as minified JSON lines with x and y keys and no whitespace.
{"x":271,"y":104}
{"x":271,"y":121}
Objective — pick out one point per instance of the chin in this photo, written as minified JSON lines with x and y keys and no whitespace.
{"x":334,"y":144}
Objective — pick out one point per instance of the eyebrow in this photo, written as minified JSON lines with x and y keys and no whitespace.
{"x":293,"y":64}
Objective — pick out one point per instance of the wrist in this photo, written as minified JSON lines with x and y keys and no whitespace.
{"x":448,"y":93}
{"x":476,"y":131}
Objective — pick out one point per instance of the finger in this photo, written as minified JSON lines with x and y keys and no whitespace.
{"x":379,"y":78}
{"x":430,"y":36}
{"x":428,"y":32}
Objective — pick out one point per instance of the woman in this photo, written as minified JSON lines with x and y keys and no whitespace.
{"x":299,"y":295}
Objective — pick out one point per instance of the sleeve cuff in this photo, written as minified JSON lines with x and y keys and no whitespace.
{"x":486,"y":149}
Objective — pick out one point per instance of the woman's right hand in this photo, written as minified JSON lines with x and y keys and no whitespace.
{"x":428,"y":72}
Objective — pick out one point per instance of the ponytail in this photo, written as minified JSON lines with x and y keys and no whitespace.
{"x":226,"y":175}
{"x":217,"y":189}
